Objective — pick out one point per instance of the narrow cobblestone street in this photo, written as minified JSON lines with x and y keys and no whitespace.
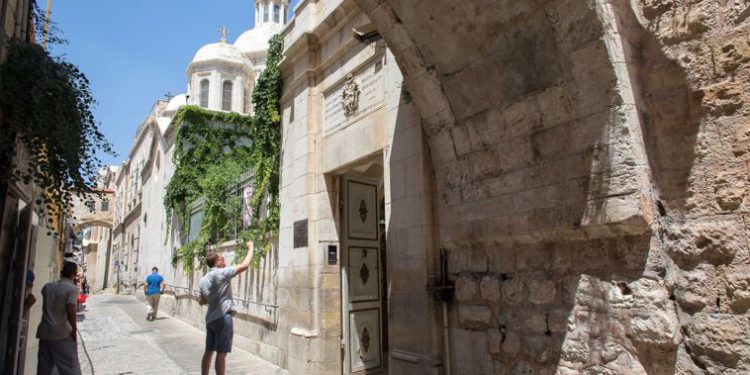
{"x":120,"y":340}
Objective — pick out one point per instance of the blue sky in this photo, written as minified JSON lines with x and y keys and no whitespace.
{"x":135,"y":51}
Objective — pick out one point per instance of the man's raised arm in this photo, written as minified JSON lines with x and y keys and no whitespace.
{"x":242,"y":267}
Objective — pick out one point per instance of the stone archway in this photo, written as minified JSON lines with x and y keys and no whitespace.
{"x":590,"y":160}
{"x":88,"y":223}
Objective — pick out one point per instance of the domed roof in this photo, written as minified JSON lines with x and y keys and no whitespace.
{"x":256,"y":40}
{"x":176,"y":102}
{"x":219,"y":51}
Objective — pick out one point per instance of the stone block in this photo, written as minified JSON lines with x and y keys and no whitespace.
{"x":502,"y":261}
{"x":466,"y":288}
{"x":730,"y":191}
{"x":714,"y":242}
{"x":738,"y":290}
{"x":720,"y":339}
{"x":536,"y":323}
{"x":512,"y":343}
{"x":490,"y":288}
{"x":694,"y":291}
{"x":542,"y":291}
{"x":470,"y":352}
{"x":575,"y":348}
{"x":523,"y":368}
{"x":537,"y":346}
{"x":474,"y":316}
{"x":513,"y":291}
{"x":461,"y":140}
{"x":494,"y":340}
{"x":555,"y":106}
{"x":654,"y":328}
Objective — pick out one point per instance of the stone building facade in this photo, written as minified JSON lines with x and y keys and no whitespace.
{"x":590,"y":176}
{"x":220,"y":77}
{"x":93,"y":223}
{"x":356,"y":212}
{"x":502,"y":187}
{"x":128,"y":220}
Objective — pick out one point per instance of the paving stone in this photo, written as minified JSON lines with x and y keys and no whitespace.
{"x":119,"y":340}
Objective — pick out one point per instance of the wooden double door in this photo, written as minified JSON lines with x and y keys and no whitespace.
{"x":362,"y":277}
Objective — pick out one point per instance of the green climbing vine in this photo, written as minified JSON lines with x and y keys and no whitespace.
{"x":48,"y":109}
{"x":213,"y":152}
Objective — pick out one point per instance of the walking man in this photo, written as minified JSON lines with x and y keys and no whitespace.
{"x":215,"y":290}
{"x":154,"y":288}
{"x":58,"y":346}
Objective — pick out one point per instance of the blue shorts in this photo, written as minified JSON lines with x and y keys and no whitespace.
{"x":219,"y":334}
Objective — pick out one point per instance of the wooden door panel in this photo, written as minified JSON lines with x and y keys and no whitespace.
{"x":364,"y":339}
{"x":362,"y":212}
{"x":364,"y":274}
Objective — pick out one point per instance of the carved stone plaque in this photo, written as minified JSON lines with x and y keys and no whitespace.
{"x":350,"y":96}
{"x":358,"y":94}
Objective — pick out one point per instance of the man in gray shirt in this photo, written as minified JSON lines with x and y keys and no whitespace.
{"x":57,"y":330}
{"x":216,"y":291}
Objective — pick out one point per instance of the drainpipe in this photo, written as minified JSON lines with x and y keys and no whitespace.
{"x":443,"y":292}
{"x":446,"y":340}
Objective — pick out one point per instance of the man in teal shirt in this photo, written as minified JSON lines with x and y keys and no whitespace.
{"x":154,"y":288}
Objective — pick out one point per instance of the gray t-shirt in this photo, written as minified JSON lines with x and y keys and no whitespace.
{"x":57,"y":295}
{"x":216,"y":287}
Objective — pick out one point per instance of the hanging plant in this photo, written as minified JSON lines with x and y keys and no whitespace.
{"x":213,"y":150}
{"x":47,"y":108}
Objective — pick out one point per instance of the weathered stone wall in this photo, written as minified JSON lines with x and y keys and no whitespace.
{"x":591,"y":169}
{"x":695,"y":80}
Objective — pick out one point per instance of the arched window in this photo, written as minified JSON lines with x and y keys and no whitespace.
{"x":276,"y":13}
{"x":204,"y":93}
{"x":226,"y":96}
{"x":265,"y":12}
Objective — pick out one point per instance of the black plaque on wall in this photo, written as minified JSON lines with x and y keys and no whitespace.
{"x":300,"y":233}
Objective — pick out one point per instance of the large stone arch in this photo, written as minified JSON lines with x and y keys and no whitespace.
{"x":591,"y":163}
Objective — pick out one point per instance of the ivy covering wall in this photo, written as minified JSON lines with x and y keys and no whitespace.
{"x":213,"y":151}
{"x":48,"y":110}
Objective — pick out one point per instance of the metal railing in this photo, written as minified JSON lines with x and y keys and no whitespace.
{"x":195,"y":293}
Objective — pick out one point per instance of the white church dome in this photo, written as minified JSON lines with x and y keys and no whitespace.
{"x":176,"y":102}
{"x":219,"y":51}
{"x":256,"y":40}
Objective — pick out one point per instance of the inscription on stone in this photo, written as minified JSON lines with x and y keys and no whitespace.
{"x":369,"y":83}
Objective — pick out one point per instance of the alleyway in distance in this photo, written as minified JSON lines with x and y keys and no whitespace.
{"x":119,"y":340}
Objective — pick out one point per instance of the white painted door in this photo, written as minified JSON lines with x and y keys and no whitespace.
{"x":361,"y":277}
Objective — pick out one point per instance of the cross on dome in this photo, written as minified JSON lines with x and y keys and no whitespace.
{"x":223,"y":31}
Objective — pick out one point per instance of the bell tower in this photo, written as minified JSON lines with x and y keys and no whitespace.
{"x":271,"y":12}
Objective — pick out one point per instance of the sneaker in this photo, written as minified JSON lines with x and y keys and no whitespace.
{"x":149,"y":317}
